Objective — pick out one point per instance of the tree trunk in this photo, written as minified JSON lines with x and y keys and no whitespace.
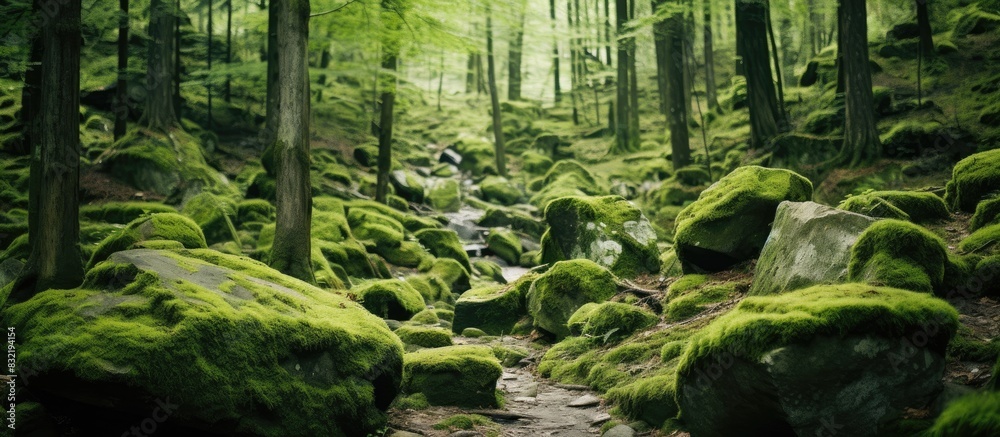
{"x":387,"y":83}
{"x":607,"y":31}
{"x":160,"y":113}
{"x":291,"y":253}
{"x":470,"y":73}
{"x":55,"y":260}
{"x":861,"y":141}
{"x":514,"y":57}
{"x":678,"y":106}
{"x":31,"y":92}
{"x":924,"y":25}
{"x":574,"y":55}
{"x":710,"y":90}
{"x":841,"y":49}
{"x":177,"y":100}
{"x":228,"y":90}
{"x":623,"y":140}
{"x":751,"y":36}
{"x":208,"y":56}
{"x":324,"y":63}
{"x":121,"y":91}
{"x":633,"y":91}
{"x":494,"y":98}
{"x":555,"y":51}
{"x":440,"y":81}
{"x":782,"y":115}
{"x":660,"y":37}
{"x":269,"y":136}
{"x":788,"y":56}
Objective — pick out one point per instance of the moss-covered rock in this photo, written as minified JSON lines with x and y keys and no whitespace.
{"x":649,"y":399}
{"x":215,"y":215}
{"x":918,"y":207}
{"x":432,"y":287}
{"x":534,"y":162}
{"x":908,"y":138}
{"x":691,"y":295}
{"x":499,"y":190}
{"x":809,"y":244}
{"x":730,"y":221}
{"x":973,"y":179}
{"x":163,"y":226}
{"x":408,"y":185}
{"x":390,"y":299}
{"x":410,"y":222}
{"x":493,"y":309}
{"x":611,"y":321}
{"x":256,"y":210}
{"x":489,"y":269}
{"x":121,"y":212}
{"x":349,"y":255}
{"x":975,"y":414}
{"x":985,"y":241}
{"x":478,"y":156}
{"x":444,"y":243}
{"x":377,"y":229}
{"x":499,"y":217}
{"x":424,"y":336}
{"x":563,"y":289}
{"x":452,"y":273}
{"x":279,"y":355}
{"x":898,"y":254}
{"x":974,"y":21}
{"x":409,"y":254}
{"x":445,"y":195}
{"x":610,"y":231}
{"x":505,"y":244}
{"x":776,"y":354}
{"x":463,"y":376}
{"x":987,"y":212}
{"x":366,"y":155}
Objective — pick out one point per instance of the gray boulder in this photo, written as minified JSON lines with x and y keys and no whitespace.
{"x":809,"y":244}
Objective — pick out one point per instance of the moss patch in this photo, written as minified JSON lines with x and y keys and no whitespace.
{"x":987,"y":212}
{"x":444,"y":243}
{"x":610,"y":321}
{"x":121,"y":212}
{"x":898,"y":254}
{"x":493,"y":309}
{"x":505,"y":244}
{"x":424,"y":336}
{"x":985,"y":240}
{"x":973,"y":415}
{"x":463,"y":376}
{"x":973,"y":179}
{"x":919,"y":207}
{"x":563,"y":289}
{"x":163,"y":226}
{"x":390,"y":299}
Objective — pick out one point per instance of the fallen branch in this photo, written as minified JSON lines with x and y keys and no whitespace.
{"x":503,"y":415}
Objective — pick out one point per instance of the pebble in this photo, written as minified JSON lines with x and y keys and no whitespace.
{"x":465,"y":434}
{"x":526,"y":400}
{"x":599,"y":419}
{"x":404,"y":434}
{"x":509,"y":376}
{"x":620,"y":431}
{"x":530,"y":390}
{"x":585,"y":401}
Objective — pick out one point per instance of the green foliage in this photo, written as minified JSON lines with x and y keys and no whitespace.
{"x":215,"y":215}
{"x":898,"y":254}
{"x":499,"y":190}
{"x":650,"y":399}
{"x":535,"y":163}
{"x":463,"y":376}
{"x":987,"y":212}
{"x":692,"y":294}
{"x":975,"y":415}
{"x":444,"y":243}
{"x":983,"y":240}
{"x":121,"y":212}
{"x":445,"y":195}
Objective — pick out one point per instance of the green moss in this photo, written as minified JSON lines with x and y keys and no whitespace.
{"x":987,"y":212}
{"x":493,"y":309}
{"x":692,"y":176}
{"x":730,"y":221}
{"x":443,"y":313}
{"x":973,"y":179}
{"x":500,"y":217}
{"x":563,"y":289}
{"x":535,"y":163}
{"x":530,"y":259}
{"x":505,"y":244}
{"x":255,"y":210}
{"x":682,"y":303}
{"x":410,"y":222}
{"x":982,"y":241}
{"x":444,"y":243}
{"x":163,"y":226}
{"x":390,"y":299}
{"x":499,"y":190}
{"x":408,"y":254}
{"x":478,"y":157}
{"x":18,"y":249}
{"x":976,"y":415}
{"x":416,"y":401}
{"x":349,"y":255}
{"x":468,"y":422}
{"x":239,"y":327}
{"x":215,"y":215}
{"x":121,"y":212}
{"x":509,"y":356}
{"x":966,"y":347}
{"x":650,"y":399}
{"x":462,"y":376}
{"x":473,"y":333}
{"x":898,"y":254}
{"x":380,"y":230}
{"x":426,"y":317}
{"x":489,"y":269}
{"x":919,"y":207}
{"x":431,"y":287}
{"x":975,"y":21}
{"x":454,"y":275}
{"x":761,"y":324}
{"x":610,"y":321}
{"x":445,"y":195}
{"x":424,"y":336}
{"x":909,"y":137}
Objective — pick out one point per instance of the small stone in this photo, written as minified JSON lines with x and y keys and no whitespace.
{"x":620,"y":431}
{"x":526,"y":400}
{"x":530,"y":390}
{"x":509,"y":376}
{"x":599,"y":419}
{"x":465,"y":434}
{"x":403,"y":434}
{"x":585,"y":401}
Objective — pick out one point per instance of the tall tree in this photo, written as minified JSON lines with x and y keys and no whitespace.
{"x":633,"y":85}
{"x":924,"y":26}
{"x":514,"y":54}
{"x":208,"y":56}
{"x":710,"y":90}
{"x":292,"y":244}
{"x":624,"y":140}
{"x":678,"y":106}
{"x":160,"y":114}
{"x":390,"y":59}
{"x":31,"y":92}
{"x":782,"y":115}
{"x":121,"y":90}
{"x":861,"y":141}
{"x":500,"y":149}
{"x":751,"y":40}
{"x":660,"y":30}
{"x":555,"y":51}
{"x":228,"y":88}
{"x":268,"y":136}
{"x":55,"y":260}
{"x":574,"y":58}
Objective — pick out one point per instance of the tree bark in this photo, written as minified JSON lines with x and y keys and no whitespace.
{"x":633,"y":91}
{"x":660,"y":31}
{"x":500,"y":150}
{"x":269,"y":136}
{"x":31,"y":93}
{"x":841,"y":48}
{"x":291,"y":253}
{"x":751,"y":36}
{"x":177,"y":100}
{"x":121,"y":91}
{"x":782,"y":115}
{"x":607,"y":31}
{"x":623,"y":140}
{"x":555,"y":51}
{"x":55,"y":260}
{"x":711,"y":94}
{"x":390,"y":62}
{"x":227,"y":92}
{"x":514,"y":56}
{"x":924,"y":25}
{"x":324,"y":63}
{"x":160,"y":114}
{"x":678,"y":106}
{"x":208,"y":56}
{"x":574,"y":56}
{"x":861,"y":141}
{"x":470,"y":73}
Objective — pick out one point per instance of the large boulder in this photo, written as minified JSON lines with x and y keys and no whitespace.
{"x":164,"y":227}
{"x":463,"y":376}
{"x":899,"y":254}
{"x":851,"y":356}
{"x":973,"y":179}
{"x":609,"y":231}
{"x":494,"y":309}
{"x":809,"y":244}
{"x":228,"y":344}
{"x":390,"y":298}
{"x":563,"y":289}
{"x":610,"y":320}
{"x":730,"y":221}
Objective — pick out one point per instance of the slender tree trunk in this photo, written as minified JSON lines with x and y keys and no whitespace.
{"x":291,"y":253}
{"x":574,"y":55}
{"x":208,"y":56}
{"x":842,"y":47}
{"x":633,"y":107}
{"x":55,"y":260}
{"x":678,"y":106}
{"x":788,"y":56}
{"x":660,"y":41}
{"x":555,"y":51}
{"x":31,"y":106}
{"x":387,"y":83}
{"x":176,"y":78}
{"x":270,"y":133}
{"x":623,"y":140}
{"x":324,"y":63}
{"x":514,"y":57}
{"x":607,"y":31}
{"x":121,"y":91}
{"x":440,"y":81}
{"x":688,"y":46}
{"x":861,"y":141}
{"x":470,"y":73}
{"x":751,"y":30}
{"x":924,"y":25}
{"x":160,"y":71}
{"x":710,"y":90}
{"x":494,"y":98}
{"x":813,"y":28}
{"x":228,"y":90}
{"x":782,"y":115}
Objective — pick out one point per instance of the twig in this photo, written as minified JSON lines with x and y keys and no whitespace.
{"x":320,"y":14}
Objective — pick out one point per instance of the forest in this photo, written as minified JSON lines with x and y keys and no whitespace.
{"x":399,"y":218}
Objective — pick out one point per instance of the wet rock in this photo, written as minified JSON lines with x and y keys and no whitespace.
{"x":619,"y":431}
{"x":408,"y":185}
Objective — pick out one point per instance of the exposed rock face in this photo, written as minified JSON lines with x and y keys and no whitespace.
{"x":809,"y":244}
{"x":609,"y":231}
{"x":233,"y":345}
